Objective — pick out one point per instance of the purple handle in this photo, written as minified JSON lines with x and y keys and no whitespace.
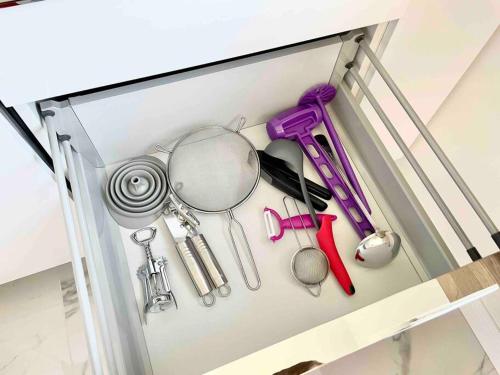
{"x":297,"y":124}
{"x":342,"y":155}
{"x":331,"y":178}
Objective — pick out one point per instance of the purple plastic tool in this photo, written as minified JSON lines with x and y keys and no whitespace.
{"x":297,"y":124}
{"x":295,"y":222}
{"x":319,"y":95}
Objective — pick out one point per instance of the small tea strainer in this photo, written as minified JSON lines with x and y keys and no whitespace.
{"x":309,"y":265}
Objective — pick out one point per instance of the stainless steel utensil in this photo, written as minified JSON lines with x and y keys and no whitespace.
{"x":190,"y":258}
{"x":209,"y":261}
{"x":215,"y":170}
{"x":156,"y":287}
{"x":212,"y":266}
{"x":309,"y":265}
{"x":379,"y":248}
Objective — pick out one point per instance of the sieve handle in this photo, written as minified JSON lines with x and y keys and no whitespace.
{"x":327,"y":244}
{"x":233,"y":221}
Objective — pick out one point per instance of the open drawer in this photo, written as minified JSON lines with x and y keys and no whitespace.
{"x":106,"y":128}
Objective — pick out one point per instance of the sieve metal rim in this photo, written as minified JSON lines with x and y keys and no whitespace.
{"x":293,"y":270}
{"x":187,"y":135}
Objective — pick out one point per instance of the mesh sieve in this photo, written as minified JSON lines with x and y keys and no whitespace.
{"x":213,"y":170}
{"x":310,"y":266}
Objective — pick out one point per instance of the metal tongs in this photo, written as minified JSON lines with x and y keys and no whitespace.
{"x":195,"y":253}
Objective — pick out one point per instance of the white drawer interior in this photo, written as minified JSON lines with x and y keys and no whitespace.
{"x":109,"y":127}
{"x":247,"y":321}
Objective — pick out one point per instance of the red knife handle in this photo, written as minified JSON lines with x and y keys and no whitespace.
{"x":327,"y":244}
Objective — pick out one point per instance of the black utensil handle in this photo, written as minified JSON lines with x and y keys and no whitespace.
{"x":296,"y":193}
{"x":496,"y":238}
{"x":285,"y":177}
{"x":474,"y":254}
{"x":277,"y":166}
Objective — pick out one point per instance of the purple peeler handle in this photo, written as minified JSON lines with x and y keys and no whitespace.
{"x":342,"y":155}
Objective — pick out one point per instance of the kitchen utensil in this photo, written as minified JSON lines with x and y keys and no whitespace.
{"x":379,"y":248}
{"x":294,"y":222}
{"x":156,"y":288}
{"x":309,"y":265}
{"x":210,"y":264}
{"x":190,"y":258}
{"x":136,"y":192}
{"x":431,"y":141}
{"x":297,"y":124}
{"x":290,"y":152}
{"x":319,"y":95}
{"x":215,"y":170}
{"x":281,"y":182}
{"x":277,"y":167}
{"x":470,"y":248}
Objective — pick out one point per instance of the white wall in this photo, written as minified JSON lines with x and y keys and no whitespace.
{"x":32,"y":233}
{"x":432,"y":46}
{"x":468,"y":128}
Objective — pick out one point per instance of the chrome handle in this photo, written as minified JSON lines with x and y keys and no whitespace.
{"x":187,"y":253}
{"x":211,"y":264}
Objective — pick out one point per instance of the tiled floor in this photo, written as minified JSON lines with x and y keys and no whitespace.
{"x":41,"y":333}
{"x":41,"y":330}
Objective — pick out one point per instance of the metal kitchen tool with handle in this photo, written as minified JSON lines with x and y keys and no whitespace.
{"x":158,"y":294}
{"x":309,"y":265}
{"x":190,"y":258}
{"x":204,"y":252}
{"x":297,"y":124}
{"x":466,"y":242}
{"x":319,"y":95}
{"x":379,"y":248}
{"x":215,"y":170}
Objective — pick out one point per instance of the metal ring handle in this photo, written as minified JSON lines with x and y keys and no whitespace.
{"x":225,"y":288}
{"x":232,"y":220}
{"x":311,"y":290}
{"x":147,"y":240}
{"x":208,"y":301}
